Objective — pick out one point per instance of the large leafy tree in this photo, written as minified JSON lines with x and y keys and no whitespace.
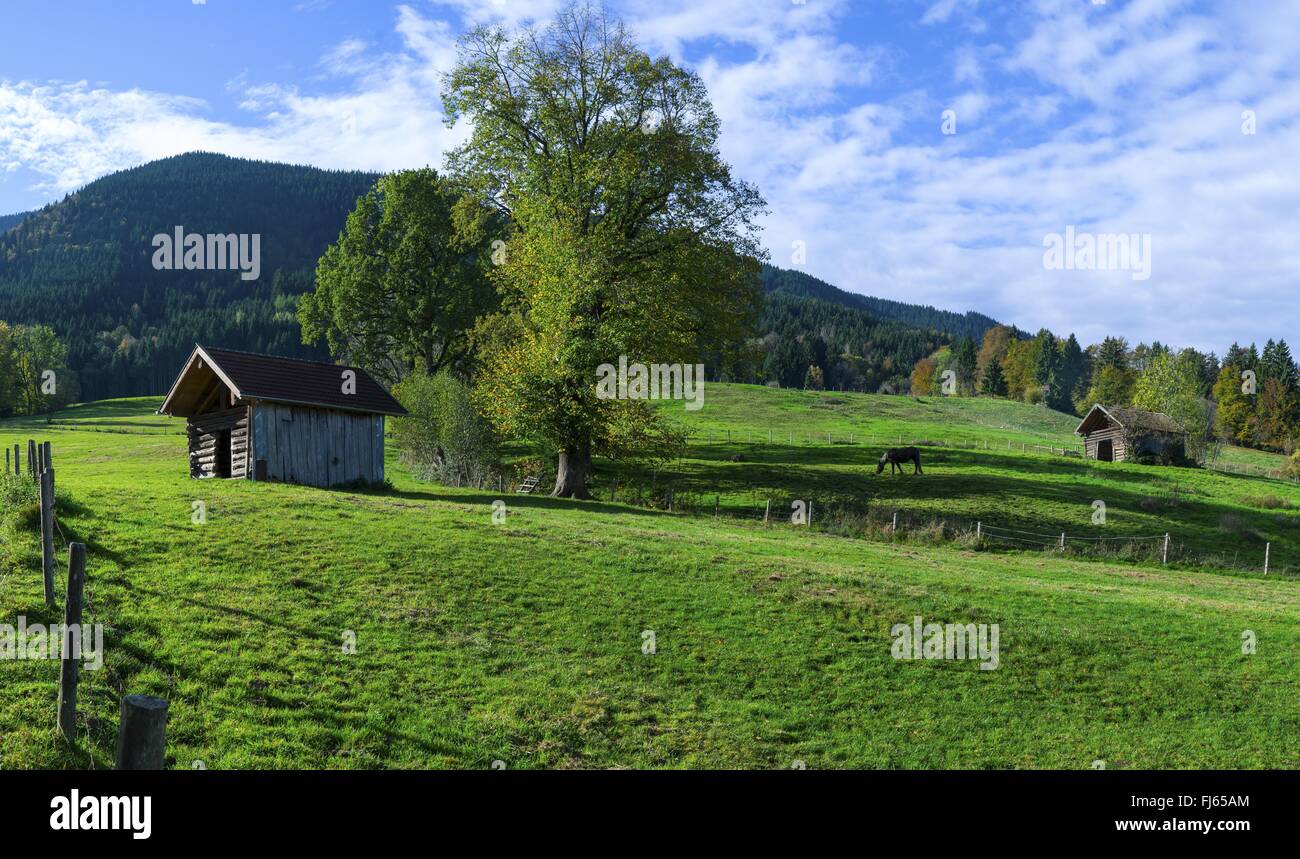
{"x":1172,"y":384}
{"x":33,"y":371}
{"x":1233,"y":406}
{"x":994,"y":346}
{"x":628,"y":235}
{"x":1111,"y":386}
{"x":404,"y":284}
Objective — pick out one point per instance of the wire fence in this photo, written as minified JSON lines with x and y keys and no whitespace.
{"x":1252,"y":471}
{"x":854,"y":517}
{"x":793,"y":438}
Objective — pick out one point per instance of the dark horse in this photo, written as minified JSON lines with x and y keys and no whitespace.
{"x":895,"y":456}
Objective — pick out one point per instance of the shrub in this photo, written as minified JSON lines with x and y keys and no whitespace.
{"x":444,"y":437}
{"x":1292,"y":467}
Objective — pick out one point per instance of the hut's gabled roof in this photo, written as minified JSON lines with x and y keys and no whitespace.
{"x":1100,"y":416}
{"x":269,"y":378}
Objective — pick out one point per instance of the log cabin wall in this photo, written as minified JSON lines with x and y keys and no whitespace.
{"x":317,"y":446}
{"x":1115,"y":434}
{"x":219,"y":443}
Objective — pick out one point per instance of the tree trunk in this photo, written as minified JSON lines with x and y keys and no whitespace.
{"x":574,"y":471}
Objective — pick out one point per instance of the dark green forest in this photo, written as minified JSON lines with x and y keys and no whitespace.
{"x":9,"y":221}
{"x":957,"y":325}
{"x":84,"y":265}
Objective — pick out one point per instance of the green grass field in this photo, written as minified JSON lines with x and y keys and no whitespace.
{"x":523,"y":641}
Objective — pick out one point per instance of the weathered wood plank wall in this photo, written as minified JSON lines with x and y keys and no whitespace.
{"x":318,"y":447}
{"x":1116,"y":436}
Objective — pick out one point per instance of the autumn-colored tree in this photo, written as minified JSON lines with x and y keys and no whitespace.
{"x":814,"y":380}
{"x":923,"y":378}
{"x":628,"y":235}
{"x":1018,"y":367}
{"x":995,"y":343}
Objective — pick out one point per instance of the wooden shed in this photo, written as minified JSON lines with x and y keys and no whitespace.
{"x":261,"y":417}
{"x":1114,"y":434}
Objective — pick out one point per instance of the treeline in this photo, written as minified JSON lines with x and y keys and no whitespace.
{"x":1249,"y":397}
{"x":924,"y":317}
{"x":34,"y":374}
{"x":812,"y":343}
{"x":84,"y":265}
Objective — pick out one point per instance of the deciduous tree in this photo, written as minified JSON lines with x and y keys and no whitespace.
{"x":628,"y":235}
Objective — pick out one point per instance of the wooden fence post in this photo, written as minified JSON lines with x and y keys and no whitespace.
{"x":18,"y":468}
{"x":810,"y":514}
{"x":45,"y":455}
{"x":70,"y":666}
{"x":6,"y":459}
{"x":767,"y":511}
{"x":1062,"y":541}
{"x":1164,"y":554}
{"x":31,"y":459}
{"x":979,"y":530}
{"x":1267,"y":548}
{"x":142,"y":733}
{"x":894,"y":527}
{"x":47,"y":534}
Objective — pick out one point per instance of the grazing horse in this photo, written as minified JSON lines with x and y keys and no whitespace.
{"x":895,"y":456}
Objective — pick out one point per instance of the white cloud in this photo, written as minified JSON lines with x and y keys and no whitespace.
{"x":383,"y":114}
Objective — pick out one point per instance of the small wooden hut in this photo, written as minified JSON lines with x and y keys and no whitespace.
{"x":1114,"y":434}
{"x":260,"y":417}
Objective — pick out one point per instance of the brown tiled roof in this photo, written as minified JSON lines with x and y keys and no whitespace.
{"x":298,"y":382}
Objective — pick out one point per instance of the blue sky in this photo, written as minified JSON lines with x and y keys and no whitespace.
{"x":1123,"y":117}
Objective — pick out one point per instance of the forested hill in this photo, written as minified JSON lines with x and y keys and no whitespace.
{"x":956,"y":325}
{"x":10,"y":221}
{"x":84,"y":265}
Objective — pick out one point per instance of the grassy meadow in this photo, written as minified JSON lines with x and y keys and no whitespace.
{"x":522,"y":641}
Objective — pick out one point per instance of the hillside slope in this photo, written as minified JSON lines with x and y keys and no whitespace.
{"x":8,"y":222}
{"x":526,"y":641}
{"x":925,"y":317}
{"x":84,"y":265}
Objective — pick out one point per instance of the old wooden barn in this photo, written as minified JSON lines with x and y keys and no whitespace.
{"x":260,"y":417}
{"x":1114,"y":434}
